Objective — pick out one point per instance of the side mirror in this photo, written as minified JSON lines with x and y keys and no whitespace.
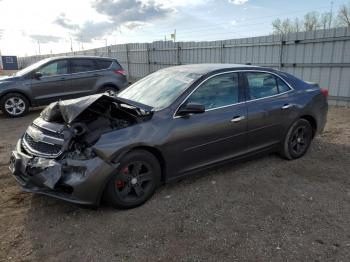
{"x":37,"y":75}
{"x":191,"y":108}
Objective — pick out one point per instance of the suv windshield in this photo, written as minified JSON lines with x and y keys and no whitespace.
{"x":159,"y":89}
{"x":31,"y":67}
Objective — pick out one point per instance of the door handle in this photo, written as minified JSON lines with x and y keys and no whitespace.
{"x":236,"y":119}
{"x":286,"y":106}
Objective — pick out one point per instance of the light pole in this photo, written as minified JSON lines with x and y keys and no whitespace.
{"x":81,"y":47}
{"x":71,"y":44}
{"x":1,"y":30}
{"x":0,"y":49}
{"x":331,"y":15}
{"x":106,"y":45}
{"x":173,"y":36}
{"x":39,"y":47}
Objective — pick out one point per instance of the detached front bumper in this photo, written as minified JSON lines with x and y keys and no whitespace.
{"x":76,"y":181}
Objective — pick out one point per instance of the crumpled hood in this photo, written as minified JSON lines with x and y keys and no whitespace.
{"x":72,"y":108}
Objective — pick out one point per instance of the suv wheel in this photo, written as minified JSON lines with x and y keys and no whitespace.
{"x":297,"y":140}
{"x":14,"y":105}
{"x":135,"y":180}
{"x":109,"y":90}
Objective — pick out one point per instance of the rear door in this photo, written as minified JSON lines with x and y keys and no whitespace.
{"x":85,"y":72}
{"x":270,"y":109}
{"x":53,"y":84}
{"x":217,"y":134}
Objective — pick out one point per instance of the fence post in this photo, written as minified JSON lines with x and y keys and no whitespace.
{"x":222,"y":46}
{"x":178,"y":50}
{"x":281,"y":52}
{"x":127,"y":60}
{"x":109,"y":51}
{"x":149,"y":58}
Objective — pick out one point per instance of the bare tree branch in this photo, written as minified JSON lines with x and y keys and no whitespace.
{"x":344,"y":15}
{"x":311,"y":21}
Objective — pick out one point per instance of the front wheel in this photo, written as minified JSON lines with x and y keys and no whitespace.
{"x":135,"y":180}
{"x":14,"y":105}
{"x":297,"y":140}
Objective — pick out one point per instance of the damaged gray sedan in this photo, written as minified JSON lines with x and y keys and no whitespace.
{"x":171,"y":123}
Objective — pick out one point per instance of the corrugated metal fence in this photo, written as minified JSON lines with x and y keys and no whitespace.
{"x":321,"y":56}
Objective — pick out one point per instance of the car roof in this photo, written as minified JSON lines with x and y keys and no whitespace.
{"x":203,"y":69}
{"x":79,"y":57}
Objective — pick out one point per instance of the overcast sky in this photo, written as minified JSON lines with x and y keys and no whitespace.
{"x":53,"y":24}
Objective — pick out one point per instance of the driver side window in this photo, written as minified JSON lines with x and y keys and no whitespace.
{"x":55,"y":68}
{"x":218,"y":91}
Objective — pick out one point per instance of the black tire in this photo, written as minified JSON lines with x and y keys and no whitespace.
{"x":297,"y":140}
{"x":14,"y":105}
{"x":110,"y":90}
{"x":125,"y":189}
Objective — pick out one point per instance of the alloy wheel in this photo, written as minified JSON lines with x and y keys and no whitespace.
{"x":110,"y":92}
{"x":300,"y":140}
{"x":134,"y":181}
{"x":15,"y":106}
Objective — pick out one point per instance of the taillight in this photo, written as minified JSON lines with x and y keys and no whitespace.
{"x":324,"y":91}
{"x":120,"y":72}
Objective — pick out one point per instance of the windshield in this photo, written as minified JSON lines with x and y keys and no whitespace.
{"x":160,"y":89}
{"x":31,"y":67}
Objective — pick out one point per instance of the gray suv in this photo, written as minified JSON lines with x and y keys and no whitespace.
{"x":58,"y":78}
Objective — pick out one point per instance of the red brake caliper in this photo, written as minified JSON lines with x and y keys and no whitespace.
{"x":120,"y":183}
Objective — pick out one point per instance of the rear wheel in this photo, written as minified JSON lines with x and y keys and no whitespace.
{"x":14,"y":105}
{"x":135,"y":181}
{"x":297,"y":140}
{"x":109,"y":90}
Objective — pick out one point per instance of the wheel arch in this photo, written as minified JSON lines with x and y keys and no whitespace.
{"x":17,"y":92}
{"x":154,"y":151}
{"x":159,"y":156}
{"x":313,"y":122}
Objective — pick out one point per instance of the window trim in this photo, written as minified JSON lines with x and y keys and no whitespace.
{"x":245,"y":87}
{"x":69,"y":65}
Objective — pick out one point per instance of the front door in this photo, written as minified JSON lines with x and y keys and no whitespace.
{"x":52,"y":86}
{"x":215,"y":135}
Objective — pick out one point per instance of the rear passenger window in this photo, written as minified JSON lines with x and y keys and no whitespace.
{"x":282,"y":86}
{"x":261,"y":85}
{"x":102,"y":64}
{"x":82,"y":65}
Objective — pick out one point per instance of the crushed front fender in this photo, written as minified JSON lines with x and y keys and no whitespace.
{"x":76,"y":181}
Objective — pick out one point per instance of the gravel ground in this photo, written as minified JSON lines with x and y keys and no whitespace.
{"x":267,"y":209}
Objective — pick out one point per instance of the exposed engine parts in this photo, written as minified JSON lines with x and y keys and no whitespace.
{"x":73,"y":126}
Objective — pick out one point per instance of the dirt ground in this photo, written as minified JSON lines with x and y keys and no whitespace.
{"x":266,"y":209}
